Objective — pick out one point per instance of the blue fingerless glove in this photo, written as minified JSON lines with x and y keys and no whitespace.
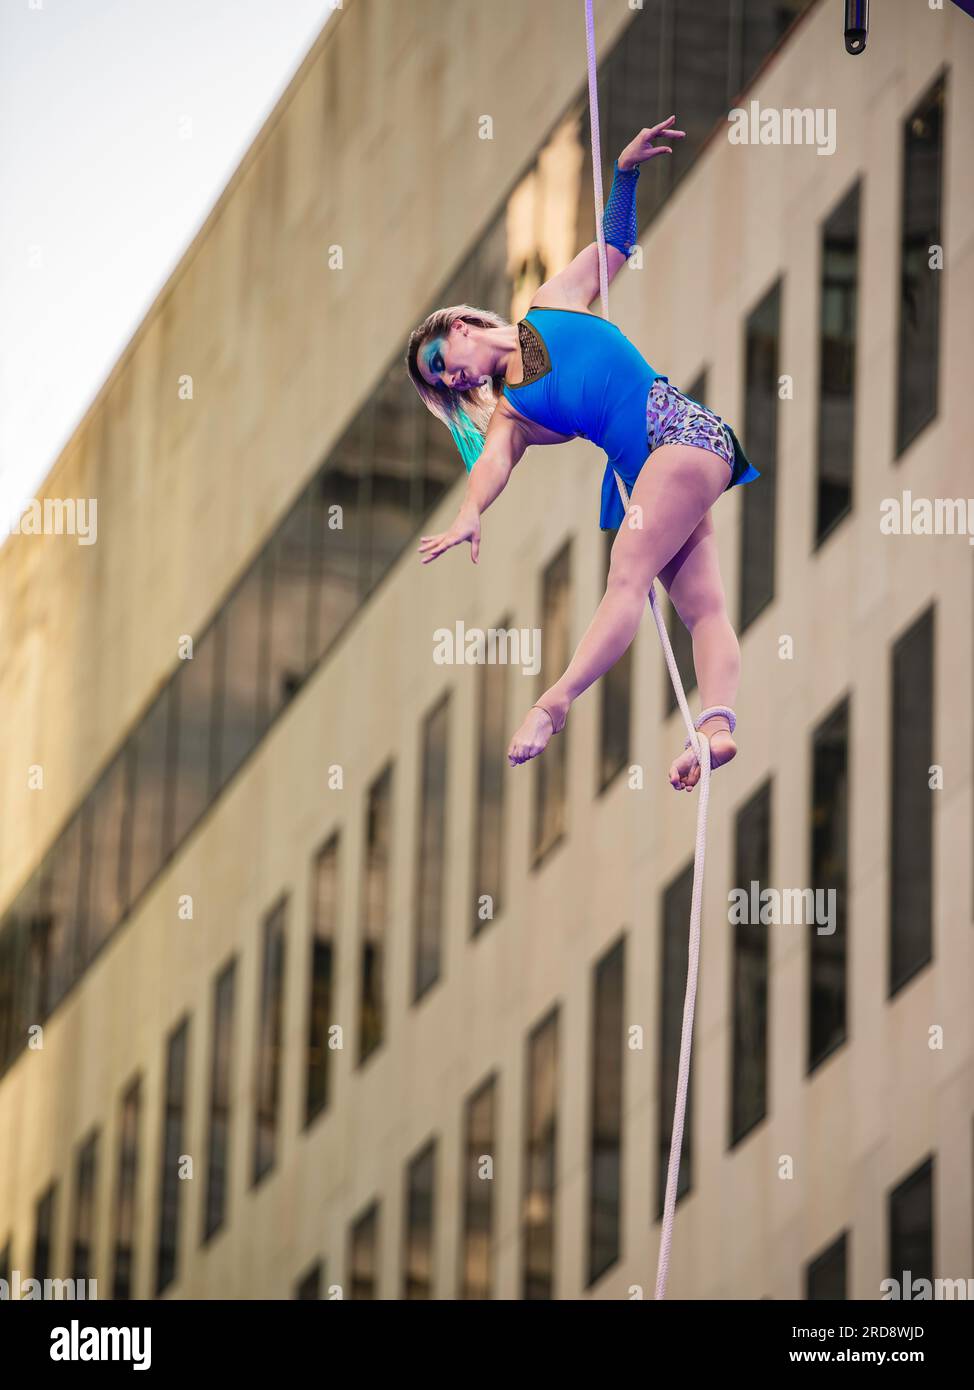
{"x":619,"y":219}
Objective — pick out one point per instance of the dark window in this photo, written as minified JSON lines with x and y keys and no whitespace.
{"x":918,"y":361}
{"x":309,"y":1286}
{"x":763,"y":25}
{"x":291,"y":583}
{"x":152,"y":794}
{"x":540,"y":1152}
{"x":20,"y":986}
{"x":837,"y":362}
{"x":633,"y":77}
{"x":749,"y":1001}
{"x":221,"y":1061}
{"x":324,"y":934}
{"x":14,"y":934}
{"x":417,"y":1265}
{"x":267,"y":1080}
{"x":44,"y":1234}
{"x":702,"y":32}
{"x":82,"y":1255}
{"x":394,"y":492}
{"x":363,"y":1255}
{"x":477,"y":1181}
{"x":492,"y":739}
{"x":56,"y":925}
{"x":108,"y":822}
{"x":339,"y":516}
{"x":551,"y":801}
{"x":830,"y":874}
{"x":239,"y":652}
{"x":825,"y":1277}
{"x":431,"y":849}
{"x":193,"y":753}
{"x":126,"y":1192}
{"x":442,"y":464}
{"x":170,"y":1183}
{"x":761,"y":443}
{"x":375,"y":914}
{"x":615,"y":694}
{"x":630,"y":73}
{"x":673,"y":988}
{"x":490,"y":269}
{"x":911,"y":804}
{"x":605,"y":1109}
{"x":911,"y":1228}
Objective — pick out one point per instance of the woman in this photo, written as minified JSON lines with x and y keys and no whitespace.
{"x":563,"y":373}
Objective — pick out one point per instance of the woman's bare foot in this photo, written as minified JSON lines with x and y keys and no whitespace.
{"x":685,"y":770}
{"x":533,"y":735}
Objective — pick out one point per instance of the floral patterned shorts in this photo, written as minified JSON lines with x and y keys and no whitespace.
{"x":672,"y":418}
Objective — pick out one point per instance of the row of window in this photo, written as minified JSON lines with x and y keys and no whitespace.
{"x":910,"y":948}
{"x":910,"y":1204}
{"x":918,"y":363}
{"x":390,"y":468}
{"x":909,"y":1228}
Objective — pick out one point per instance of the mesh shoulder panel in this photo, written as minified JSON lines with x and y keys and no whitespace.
{"x":534,"y":355}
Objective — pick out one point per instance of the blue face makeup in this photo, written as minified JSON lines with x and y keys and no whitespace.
{"x":434,"y":361}
{"x":466,"y":436}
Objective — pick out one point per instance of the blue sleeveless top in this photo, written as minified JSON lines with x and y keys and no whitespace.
{"x":584,"y":377}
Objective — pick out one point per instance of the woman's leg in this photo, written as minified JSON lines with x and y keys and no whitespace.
{"x":675,"y":489}
{"x":692,"y":579}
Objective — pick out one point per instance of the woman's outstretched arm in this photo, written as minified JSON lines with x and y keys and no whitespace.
{"x":504,"y":444}
{"x":578,"y":283}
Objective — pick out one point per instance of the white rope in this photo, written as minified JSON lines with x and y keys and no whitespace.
{"x":593,"y":107}
{"x":701,"y":748}
{"x":699,"y":742}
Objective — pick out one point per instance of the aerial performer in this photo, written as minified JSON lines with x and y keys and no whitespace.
{"x":563,"y":373}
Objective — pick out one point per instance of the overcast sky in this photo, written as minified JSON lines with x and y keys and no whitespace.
{"x":101,"y":195}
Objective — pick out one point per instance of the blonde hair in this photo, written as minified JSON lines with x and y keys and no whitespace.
{"x":466,"y":414}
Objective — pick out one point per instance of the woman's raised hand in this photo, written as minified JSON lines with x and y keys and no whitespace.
{"x":642,"y":148}
{"x":465,"y":528}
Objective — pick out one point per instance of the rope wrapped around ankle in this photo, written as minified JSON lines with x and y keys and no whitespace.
{"x":709,"y":713}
